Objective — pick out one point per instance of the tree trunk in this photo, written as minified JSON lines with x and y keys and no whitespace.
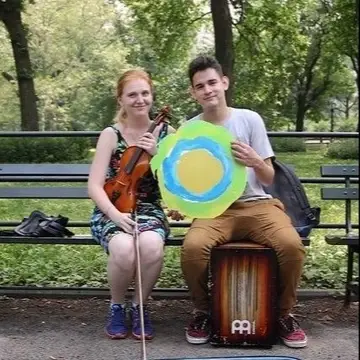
{"x":332,"y":118}
{"x":17,"y":33}
{"x":347,"y":107}
{"x":300,"y":112}
{"x":307,"y":92}
{"x":224,"y":47}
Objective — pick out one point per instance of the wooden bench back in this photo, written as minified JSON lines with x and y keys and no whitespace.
{"x":45,"y":173}
{"x":346,"y":193}
{"x":22,"y":170}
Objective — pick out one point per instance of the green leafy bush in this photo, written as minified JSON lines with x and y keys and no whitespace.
{"x":347,"y":124}
{"x":43,"y":150}
{"x":344,"y":149}
{"x":288,"y":145}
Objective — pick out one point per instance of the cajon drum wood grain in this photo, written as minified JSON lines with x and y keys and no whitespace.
{"x":243,"y":278}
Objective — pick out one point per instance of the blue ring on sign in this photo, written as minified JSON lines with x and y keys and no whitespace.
{"x":169,"y":169}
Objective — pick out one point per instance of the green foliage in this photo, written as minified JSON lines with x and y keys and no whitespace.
{"x":173,"y":88}
{"x":288,"y":145}
{"x":340,"y":124}
{"x":50,"y":265}
{"x":264,"y":46}
{"x":344,"y":28}
{"x":9,"y":100}
{"x":159,"y":28}
{"x":319,"y":126}
{"x":77,"y":58}
{"x":78,"y":49}
{"x":345,"y":149}
{"x":346,"y":125}
{"x":160,"y":40}
{"x":325,"y":266}
{"x":171,"y":275}
{"x":286,"y":61}
{"x":44,"y":150}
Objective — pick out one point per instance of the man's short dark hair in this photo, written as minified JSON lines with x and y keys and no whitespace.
{"x":202,"y":63}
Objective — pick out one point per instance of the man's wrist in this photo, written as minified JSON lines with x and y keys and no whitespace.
{"x":259,"y":164}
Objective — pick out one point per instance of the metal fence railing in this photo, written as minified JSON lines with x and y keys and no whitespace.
{"x":284,"y":134}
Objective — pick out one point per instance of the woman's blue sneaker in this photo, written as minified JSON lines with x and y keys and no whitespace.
{"x":136,"y":325}
{"x":116,"y":327}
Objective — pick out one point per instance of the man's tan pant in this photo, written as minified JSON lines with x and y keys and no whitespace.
{"x":261,"y":221}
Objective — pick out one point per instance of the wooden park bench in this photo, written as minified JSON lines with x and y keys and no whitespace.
{"x":55,"y":173}
{"x":38,"y":178}
{"x":348,"y":193}
{"x":50,"y":173}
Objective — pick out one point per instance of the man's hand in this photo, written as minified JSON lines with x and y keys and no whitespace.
{"x":245,"y":154}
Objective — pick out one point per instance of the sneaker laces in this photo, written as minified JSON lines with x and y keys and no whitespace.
{"x":200,"y":321}
{"x":289,"y":323}
{"x":136,"y":316}
{"x":117,"y":315}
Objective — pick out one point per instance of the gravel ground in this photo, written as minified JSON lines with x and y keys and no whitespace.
{"x":73,"y":329}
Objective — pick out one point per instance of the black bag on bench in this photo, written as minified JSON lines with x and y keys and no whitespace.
{"x":40,"y":225}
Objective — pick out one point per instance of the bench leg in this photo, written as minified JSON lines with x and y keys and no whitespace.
{"x":349,"y":276}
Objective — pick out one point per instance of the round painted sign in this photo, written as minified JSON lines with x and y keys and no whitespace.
{"x":196,"y":171}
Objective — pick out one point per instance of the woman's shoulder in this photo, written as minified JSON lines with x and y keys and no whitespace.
{"x":107,"y":138}
{"x":111,"y":129}
{"x":110,"y":132}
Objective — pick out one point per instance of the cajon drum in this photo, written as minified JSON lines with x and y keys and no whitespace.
{"x":243,"y":282}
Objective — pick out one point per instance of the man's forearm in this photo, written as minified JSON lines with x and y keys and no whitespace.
{"x":264,"y":172}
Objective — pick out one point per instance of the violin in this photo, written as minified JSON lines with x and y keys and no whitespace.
{"x":133,"y":165}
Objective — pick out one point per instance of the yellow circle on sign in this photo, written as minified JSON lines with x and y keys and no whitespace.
{"x":198,"y":171}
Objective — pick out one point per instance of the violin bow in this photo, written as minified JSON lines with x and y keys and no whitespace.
{"x":141,"y":303}
{"x":138,"y":272}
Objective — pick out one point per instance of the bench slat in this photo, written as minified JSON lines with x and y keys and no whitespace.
{"x":44,"y":169}
{"x":340,"y":170}
{"x":75,"y":240}
{"x":47,"y":179}
{"x":85,"y":240}
{"x":340,"y":193}
{"x":352,"y":240}
{"x":44,"y":193}
{"x":84,"y":178}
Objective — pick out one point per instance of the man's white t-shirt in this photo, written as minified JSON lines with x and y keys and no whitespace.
{"x":248,"y":127}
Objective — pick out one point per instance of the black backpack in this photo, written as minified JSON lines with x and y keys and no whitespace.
{"x":40,"y":225}
{"x":288,"y":189}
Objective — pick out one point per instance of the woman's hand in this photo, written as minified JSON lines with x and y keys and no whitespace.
{"x":148,"y":143}
{"x":175,"y":215}
{"x":123,"y":220}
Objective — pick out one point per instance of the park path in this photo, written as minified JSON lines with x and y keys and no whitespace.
{"x":43,"y":329}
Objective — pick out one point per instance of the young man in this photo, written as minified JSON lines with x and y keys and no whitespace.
{"x":255,"y":216}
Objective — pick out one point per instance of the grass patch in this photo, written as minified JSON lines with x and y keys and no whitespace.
{"x":62,"y":265}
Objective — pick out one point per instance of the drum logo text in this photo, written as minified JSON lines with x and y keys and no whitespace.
{"x":242,"y":327}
